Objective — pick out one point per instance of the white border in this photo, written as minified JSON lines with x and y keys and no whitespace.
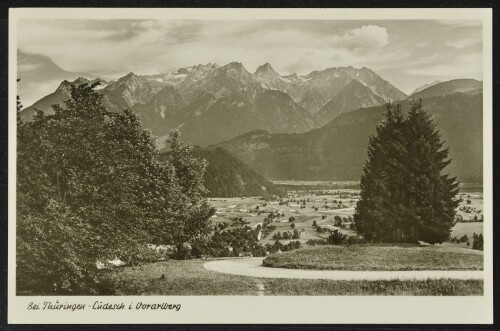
{"x":290,"y":309}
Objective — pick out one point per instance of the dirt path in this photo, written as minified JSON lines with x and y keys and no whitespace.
{"x":253,"y":267}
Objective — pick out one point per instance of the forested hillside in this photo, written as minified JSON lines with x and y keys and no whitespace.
{"x":226,"y":176}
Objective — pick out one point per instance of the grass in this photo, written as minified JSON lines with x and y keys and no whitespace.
{"x":371,"y":257}
{"x":448,"y":287}
{"x":181,"y":278}
{"x":467,"y":228}
{"x":187,"y":278}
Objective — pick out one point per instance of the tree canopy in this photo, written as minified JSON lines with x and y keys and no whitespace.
{"x":405,"y":197}
{"x":92,"y":187}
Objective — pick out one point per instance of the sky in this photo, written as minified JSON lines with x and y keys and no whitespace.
{"x":407,"y":53}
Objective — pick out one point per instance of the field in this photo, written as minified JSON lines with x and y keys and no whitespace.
{"x":468,"y":229}
{"x":308,"y":203}
{"x":311,"y":205}
{"x":187,"y":278}
{"x":378,"y":257}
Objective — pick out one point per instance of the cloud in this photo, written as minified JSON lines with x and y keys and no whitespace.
{"x":462,"y":43}
{"x":28,"y":67}
{"x":463,"y":66}
{"x":112,"y":47}
{"x":462,"y":23}
{"x":301,"y":65}
{"x":365,"y":38}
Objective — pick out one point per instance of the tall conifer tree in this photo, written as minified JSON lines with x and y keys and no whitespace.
{"x":431,"y":196}
{"x":376,"y":214}
{"x":404,"y":196}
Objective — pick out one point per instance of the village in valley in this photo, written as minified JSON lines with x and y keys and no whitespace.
{"x":310,"y":215}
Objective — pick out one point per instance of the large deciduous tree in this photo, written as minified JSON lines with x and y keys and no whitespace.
{"x":91,"y":187}
{"x":404,"y":195}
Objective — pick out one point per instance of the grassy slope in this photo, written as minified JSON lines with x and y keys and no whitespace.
{"x":181,"y":278}
{"x":190,"y":278}
{"x":378,"y":258}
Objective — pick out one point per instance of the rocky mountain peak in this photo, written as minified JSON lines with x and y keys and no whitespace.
{"x":130,"y":80}
{"x":236,"y":66}
{"x":65,"y":86}
{"x":80,"y":81}
{"x":265,"y":69}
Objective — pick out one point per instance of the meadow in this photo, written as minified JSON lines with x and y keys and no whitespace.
{"x":187,"y":278}
{"x":321,"y":206}
{"x":318,"y":206}
{"x":378,"y":257}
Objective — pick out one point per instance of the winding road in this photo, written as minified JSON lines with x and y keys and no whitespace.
{"x":253,"y":267}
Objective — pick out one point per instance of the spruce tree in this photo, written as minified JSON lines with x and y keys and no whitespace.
{"x":431,"y":195}
{"x":404,"y":196}
{"x":377,"y":210}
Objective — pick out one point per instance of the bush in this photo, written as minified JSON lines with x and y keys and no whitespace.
{"x":464,"y":239}
{"x":277,"y":236}
{"x":336,"y":238}
{"x":315,"y":242}
{"x":477,"y":241}
{"x":355,"y":240}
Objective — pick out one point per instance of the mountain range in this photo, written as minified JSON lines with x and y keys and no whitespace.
{"x":338,"y":150}
{"x":211,"y":103}
{"x":310,"y":127}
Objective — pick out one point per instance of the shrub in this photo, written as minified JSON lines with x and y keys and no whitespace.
{"x":477,"y":241}
{"x":336,"y":238}
{"x":315,"y":242}
{"x":464,"y":239}
{"x":355,"y":240}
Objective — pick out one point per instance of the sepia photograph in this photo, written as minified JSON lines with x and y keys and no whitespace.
{"x":173,"y":154}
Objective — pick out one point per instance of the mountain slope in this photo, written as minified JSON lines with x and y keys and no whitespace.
{"x":211,"y":103}
{"x":61,"y":94}
{"x":128,"y":91}
{"x":39,"y":75}
{"x":337,"y":151}
{"x":352,"y":96}
{"x":470,"y":86}
{"x":226,"y":176}
{"x":223,"y":103}
{"x":423,"y":87}
{"x":321,"y":86}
